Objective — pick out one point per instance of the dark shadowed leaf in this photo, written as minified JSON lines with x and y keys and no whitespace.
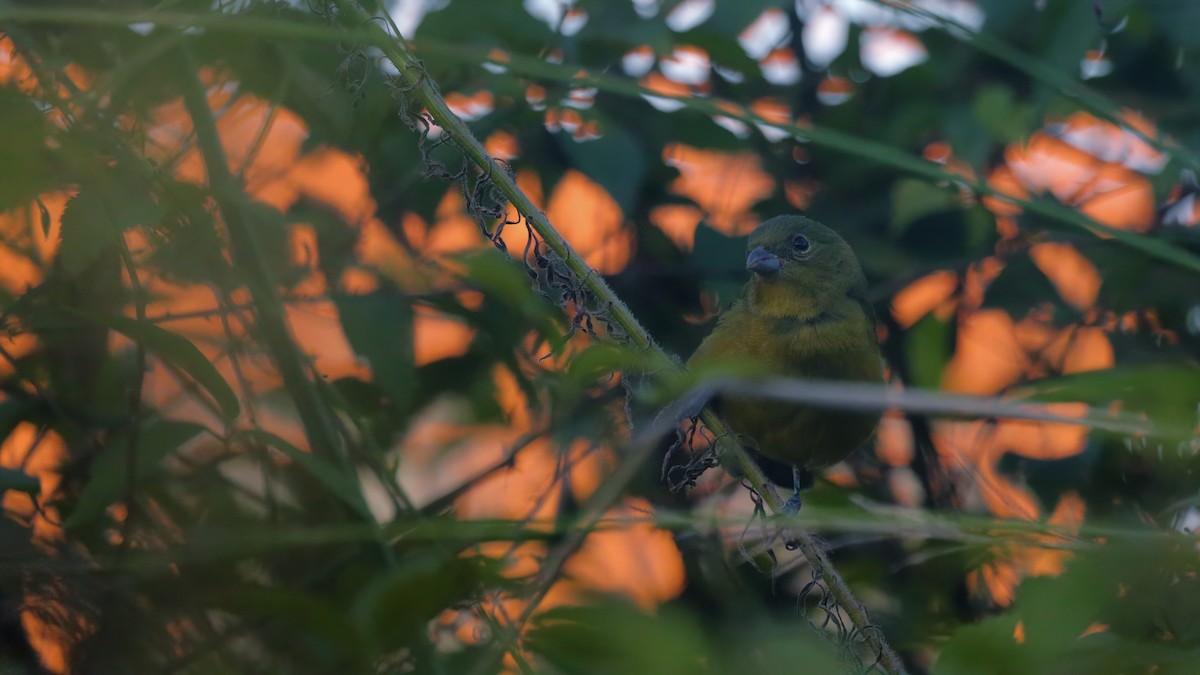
{"x":344,"y":486}
{"x":505,"y":284}
{"x":613,"y":637}
{"x":180,"y":353}
{"x":393,"y":610}
{"x":987,"y":647}
{"x":1168,"y":393}
{"x":318,"y":627}
{"x":110,"y":470}
{"x":23,"y":136}
{"x":379,"y":326}
{"x":97,"y":216}
{"x":927,"y":347}
{"x":914,"y":199}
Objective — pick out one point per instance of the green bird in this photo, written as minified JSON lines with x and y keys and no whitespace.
{"x":803,"y":314}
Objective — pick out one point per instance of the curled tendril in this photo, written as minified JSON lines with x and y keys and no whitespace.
{"x":816,"y":601}
{"x":684,"y":476}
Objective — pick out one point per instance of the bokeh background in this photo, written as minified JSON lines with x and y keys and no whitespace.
{"x":276,"y":399}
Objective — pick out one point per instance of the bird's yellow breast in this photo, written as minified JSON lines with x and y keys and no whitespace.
{"x":836,"y":345}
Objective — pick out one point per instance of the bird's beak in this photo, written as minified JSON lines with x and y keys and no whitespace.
{"x":762,"y":262}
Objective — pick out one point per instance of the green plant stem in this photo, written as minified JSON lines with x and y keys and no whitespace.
{"x":423,"y":90}
{"x":272,"y":320}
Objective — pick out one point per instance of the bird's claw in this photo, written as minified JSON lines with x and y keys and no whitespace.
{"x":792,"y":506}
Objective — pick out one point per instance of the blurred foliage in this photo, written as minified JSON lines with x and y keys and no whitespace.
{"x":270,"y":402}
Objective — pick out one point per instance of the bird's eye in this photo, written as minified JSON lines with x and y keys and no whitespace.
{"x":800,"y":243}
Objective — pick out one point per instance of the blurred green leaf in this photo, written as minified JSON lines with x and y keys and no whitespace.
{"x":23,"y":136}
{"x":509,"y":25}
{"x":984,"y":648}
{"x":914,"y":199}
{"x":179,"y":352}
{"x":111,"y":470}
{"x":1167,"y":393}
{"x":777,"y":645}
{"x":507,"y":285}
{"x":379,"y":326}
{"x":613,"y":637}
{"x":1006,"y":120}
{"x":273,"y":244}
{"x":927,"y":348}
{"x":318,"y":628}
{"x":96,"y":217}
{"x":341,"y":484}
{"x":603,"y":359}
{"x":1020,"y":287}
{"x":394,"y":608}
{"x":12,"y":412}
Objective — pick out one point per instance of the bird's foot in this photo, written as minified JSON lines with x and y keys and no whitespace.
{"x":792,"y":506}
{"x":800,"y":480}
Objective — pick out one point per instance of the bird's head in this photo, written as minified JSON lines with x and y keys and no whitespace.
{"x":799,"y":266}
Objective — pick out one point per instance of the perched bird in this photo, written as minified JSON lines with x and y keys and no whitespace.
{"x":802,"y":314}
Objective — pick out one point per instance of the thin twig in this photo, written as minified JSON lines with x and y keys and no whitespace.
{"x":272,"y":321}
{"x":443,"y":502}
{"x":135,"y":396}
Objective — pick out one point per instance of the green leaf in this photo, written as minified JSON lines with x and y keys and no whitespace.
{"x":508,"y":285}
{"x":97,"y":216}
{"x":317,"y":626}
{"x":394,"y":609}
{"x":1002,"y":117}
{"x":271,"y":236}
{"x":177,"y":351}
{"x":379,"y":326}
{"x":110,"y":471}
{"x":983,"y":648}
{"x":602,"y":359}
{"x":927,"y":349}
{"x":506,"y":24}
{"x":618,"y":638}
{"x":1166,"y":392}
{"x":29,"y":169}
{"x":343,"y":486}
{"x":730,"y":18}
{"x":914,"y":199}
